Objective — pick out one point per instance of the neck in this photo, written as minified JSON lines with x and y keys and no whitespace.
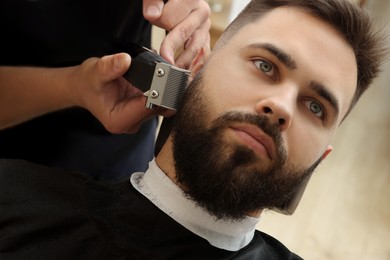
{"x":165,"y":162}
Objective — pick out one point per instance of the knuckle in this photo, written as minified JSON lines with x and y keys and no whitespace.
{"x":205,"y":7}
{"x":110,"y":128}
{"x":169,"y":23}
{"x":115,"y":129}
{"x":208,"y":22}
{"x":184,"y":33}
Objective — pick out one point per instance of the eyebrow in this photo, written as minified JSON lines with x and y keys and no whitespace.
{"x":290,"y":63}
{"x":281,"y":55}
{"x":325,"y":93}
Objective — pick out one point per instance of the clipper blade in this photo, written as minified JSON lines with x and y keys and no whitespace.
{"x":168,"y":86}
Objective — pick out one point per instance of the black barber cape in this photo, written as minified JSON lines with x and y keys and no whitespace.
{"x":51,"y":214}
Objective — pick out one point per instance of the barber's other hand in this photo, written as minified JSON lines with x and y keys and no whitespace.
{"x":100,"y":88}
{"x":188,"y":23}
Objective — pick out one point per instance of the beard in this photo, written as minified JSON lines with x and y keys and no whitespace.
{"x":226,"y":178}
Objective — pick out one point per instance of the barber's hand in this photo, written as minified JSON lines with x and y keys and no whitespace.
{"x":102,"y":90}
{"x":188,"y":23}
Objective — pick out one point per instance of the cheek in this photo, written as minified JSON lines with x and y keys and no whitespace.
{"x":228,"y":91}
{"x":305,"y":145}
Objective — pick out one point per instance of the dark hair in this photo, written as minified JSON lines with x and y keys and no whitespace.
{"x":350,"y":20}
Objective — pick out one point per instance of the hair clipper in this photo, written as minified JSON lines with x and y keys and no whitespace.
{"x":162,"y":83}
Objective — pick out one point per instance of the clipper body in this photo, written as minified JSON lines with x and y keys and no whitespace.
{"x":162,"y":83}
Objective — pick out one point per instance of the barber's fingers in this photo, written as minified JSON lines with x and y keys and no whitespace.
{"x":199,"y":40}
{"x":175,"y":11}
{"x":119,"y":106}
{"x":128,"y":115}
{"x":112,"y":67}
{"x":182,"y":18}
{"x":189,"y":34}
{"x":152,"y":9}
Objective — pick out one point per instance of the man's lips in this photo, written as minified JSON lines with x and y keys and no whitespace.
{"x":255,"y":138}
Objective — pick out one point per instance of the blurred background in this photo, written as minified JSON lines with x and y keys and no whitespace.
{"x":345,"y":211}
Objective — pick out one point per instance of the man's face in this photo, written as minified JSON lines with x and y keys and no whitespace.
{"x":261,"y":115}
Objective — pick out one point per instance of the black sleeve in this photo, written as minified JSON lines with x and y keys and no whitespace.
{"x":66,"y":32}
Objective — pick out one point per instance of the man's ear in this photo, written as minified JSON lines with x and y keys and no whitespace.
{"x":327,"y":152}
{"x":198,"y":62}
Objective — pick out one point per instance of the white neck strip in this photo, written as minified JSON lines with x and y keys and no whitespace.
{"x":168,"y":197}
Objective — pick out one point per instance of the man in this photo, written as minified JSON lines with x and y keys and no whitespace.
{"x":257,"y":119}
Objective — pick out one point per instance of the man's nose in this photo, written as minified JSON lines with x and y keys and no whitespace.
{"x":278,"y":106}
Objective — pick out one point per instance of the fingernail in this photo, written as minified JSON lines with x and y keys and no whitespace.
{"x":168,"y":55}
{"x":153,"y":11}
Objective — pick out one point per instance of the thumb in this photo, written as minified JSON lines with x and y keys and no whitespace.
{"x":114,"y":66}
{"x":152,"y":9}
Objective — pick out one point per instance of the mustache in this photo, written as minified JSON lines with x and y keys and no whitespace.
{"x":260,"y":121}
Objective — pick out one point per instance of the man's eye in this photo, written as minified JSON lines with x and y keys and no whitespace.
{"x":315,"y":107}
{"x":265,"y":67}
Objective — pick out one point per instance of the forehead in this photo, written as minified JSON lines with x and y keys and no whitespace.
{"x":320,"y":52}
